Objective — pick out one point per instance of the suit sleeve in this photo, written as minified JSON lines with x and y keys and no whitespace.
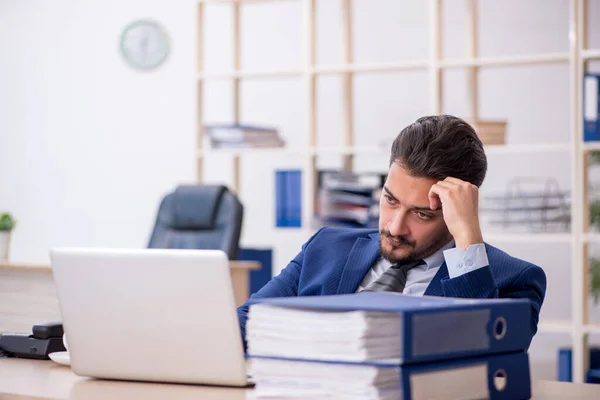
{"x":529,"y":284}
{"x":285,"y":284}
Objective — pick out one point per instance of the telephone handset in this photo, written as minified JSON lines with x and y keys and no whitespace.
{"x":47,"y":330}
{"x":45,"y":338}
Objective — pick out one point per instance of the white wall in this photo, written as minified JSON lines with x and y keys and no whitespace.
{"x":89,"y":144}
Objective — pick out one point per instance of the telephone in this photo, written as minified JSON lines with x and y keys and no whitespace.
{"x":45,"y":338}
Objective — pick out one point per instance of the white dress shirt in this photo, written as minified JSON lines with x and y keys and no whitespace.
{"x":458,"y":262}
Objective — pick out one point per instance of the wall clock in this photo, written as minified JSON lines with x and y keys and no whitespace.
{"x":144,"y":44}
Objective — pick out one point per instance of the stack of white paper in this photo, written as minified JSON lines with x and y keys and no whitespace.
{"x":288,"y":379}
{"x":358,"y":352}
{"x":324,"y":335}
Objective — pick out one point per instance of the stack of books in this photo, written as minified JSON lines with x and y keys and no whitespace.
{"x":490,"y":132}
{"x":346,"y":199}
{"x":243,"y":136}
{"x":382,"y":345}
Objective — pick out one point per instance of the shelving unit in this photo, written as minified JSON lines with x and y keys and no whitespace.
{"x":544,"y":238}
{"x":379,"y":151}
{"x":576,"y":57}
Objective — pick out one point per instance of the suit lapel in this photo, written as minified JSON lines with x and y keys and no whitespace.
{"x":361,"y":258}
{"x":435,"y":286}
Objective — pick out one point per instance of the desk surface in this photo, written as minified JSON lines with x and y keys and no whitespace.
{"x":34,"y":379}
{"x":29,"y":379}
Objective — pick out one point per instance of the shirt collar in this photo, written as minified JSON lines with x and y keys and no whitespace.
{"x":437,"y":259}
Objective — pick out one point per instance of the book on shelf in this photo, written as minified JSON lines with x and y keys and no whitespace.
{"x":347,"y":199}
{"x":565,"y":365}
{"x":591,"y":107}
{"x":243,"y":136}
{"x":378,"y":345}
{"x":490,"y":132}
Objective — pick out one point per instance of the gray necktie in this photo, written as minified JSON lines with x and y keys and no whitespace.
{"x":394,"y":279}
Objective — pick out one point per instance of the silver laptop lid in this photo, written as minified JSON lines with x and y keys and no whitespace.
{"x":150,"y":314}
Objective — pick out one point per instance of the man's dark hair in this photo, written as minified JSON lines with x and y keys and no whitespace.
{"x":440,"y":146}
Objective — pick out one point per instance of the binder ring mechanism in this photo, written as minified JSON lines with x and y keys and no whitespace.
{"x":499,"y":328}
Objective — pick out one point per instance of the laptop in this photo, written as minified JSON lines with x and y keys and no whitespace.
{"x":158,"y":315}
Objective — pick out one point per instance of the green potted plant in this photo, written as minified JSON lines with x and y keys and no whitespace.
{"x":595,"y":279}
{"x":7,"y":223}
{"x":594,"y":159}
{"x":595,"y":214}
{"x":594,"y":262}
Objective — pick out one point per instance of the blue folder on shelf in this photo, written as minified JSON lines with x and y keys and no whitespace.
{"x":280,"y":202}
{"x":288,"y":198}
{"x":432,"y":328}
{"x":499,"y":376}
{"x":591,"y":107}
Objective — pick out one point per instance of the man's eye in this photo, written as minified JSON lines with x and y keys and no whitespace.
{"x":424,"y":216}
{"x":389,"y":198}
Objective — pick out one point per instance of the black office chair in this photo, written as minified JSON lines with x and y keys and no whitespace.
{"x":199,"y":217}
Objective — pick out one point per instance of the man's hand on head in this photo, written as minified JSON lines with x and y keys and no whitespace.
{"x":459,"y":201}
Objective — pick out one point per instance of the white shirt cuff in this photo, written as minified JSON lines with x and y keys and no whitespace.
{"x":460,"y":262}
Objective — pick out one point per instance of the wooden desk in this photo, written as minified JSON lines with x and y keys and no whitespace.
{"x":31,"y":380}
{"x":28,"y":296}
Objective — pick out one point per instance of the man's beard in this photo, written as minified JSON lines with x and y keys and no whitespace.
{"x":413,"y":253}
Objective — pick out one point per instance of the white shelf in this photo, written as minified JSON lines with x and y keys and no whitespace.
{"x":592,"y":328}
{"x":241,"y":1}
{"x":256,"y":150}
{"x":384,"y":151}
{"x":557,"y":326}
{"x":527,"y":237}
{"x":527,"y":148}
{"x":251,"y":74}
{"x":356,"y":150}
{"x":591,"y":237}
{"x":317,"y":70}
{"x":554,"y":326}
{"x":506,"y":60}
{"x":379,"y":67}
{"x":397,"y":66}
{"x":331,"y":150}
{"x":591,"y":146}
{"x":591,"y":54}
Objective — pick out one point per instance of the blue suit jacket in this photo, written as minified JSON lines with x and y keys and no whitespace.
{"x":335,"y":261}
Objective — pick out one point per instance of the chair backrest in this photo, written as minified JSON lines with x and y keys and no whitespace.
{"x":199,"y":217}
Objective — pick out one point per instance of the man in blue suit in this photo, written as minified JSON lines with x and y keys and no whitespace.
{"x":429,"y":241}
